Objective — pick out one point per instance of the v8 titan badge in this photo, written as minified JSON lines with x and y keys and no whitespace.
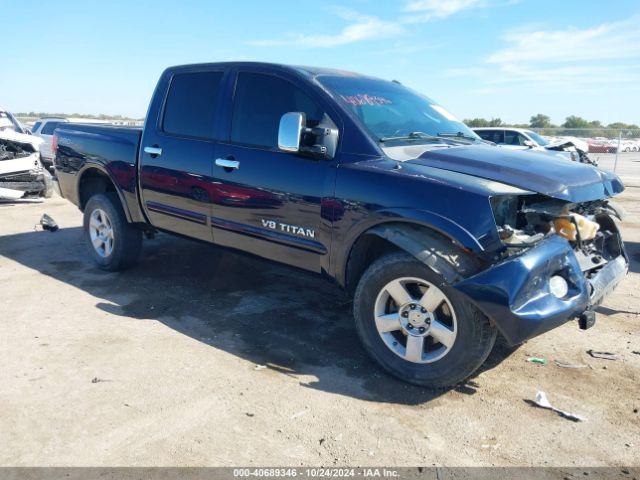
{"x":287,"y":228}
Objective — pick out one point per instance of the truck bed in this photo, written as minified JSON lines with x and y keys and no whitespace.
{"x":113,"y":149}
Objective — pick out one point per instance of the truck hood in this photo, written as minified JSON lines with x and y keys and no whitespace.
{"x":531,"y":170}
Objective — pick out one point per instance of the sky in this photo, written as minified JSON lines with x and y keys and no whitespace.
{"x":508,"y":59}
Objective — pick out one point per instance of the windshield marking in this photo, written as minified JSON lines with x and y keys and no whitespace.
{"x":365,"y":99}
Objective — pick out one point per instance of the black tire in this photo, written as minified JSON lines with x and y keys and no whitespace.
{"x":48,"y":185}
{"x":127,"y":239}
{"x":475,"y":334}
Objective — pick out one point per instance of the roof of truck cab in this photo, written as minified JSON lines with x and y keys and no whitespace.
{"x":306,"y":70}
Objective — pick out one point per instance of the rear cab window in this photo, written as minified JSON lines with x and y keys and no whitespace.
{"x":35,"y":127}
{"x":190,"y":106}
{"x":260,"y":100}
{"x":49,"y":127}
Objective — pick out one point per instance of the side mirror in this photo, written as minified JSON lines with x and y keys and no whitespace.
{"x":290,"y":132}
{"x":529,"y":143}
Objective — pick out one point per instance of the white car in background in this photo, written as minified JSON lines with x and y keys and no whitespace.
{"x":44,"y":128}
{"x":629,"y":146}
{"x":523,"y":139}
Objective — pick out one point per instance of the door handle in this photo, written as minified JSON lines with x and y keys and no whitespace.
{"x":154,"y":151}
{"x":227,"y":163}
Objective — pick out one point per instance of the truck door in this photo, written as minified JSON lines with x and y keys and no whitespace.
{"x":269,"y":202}
{"x":177,"y":154}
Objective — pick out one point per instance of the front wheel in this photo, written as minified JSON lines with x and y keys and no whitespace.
{"x":113,"y":243}
{"x":418,"y":327}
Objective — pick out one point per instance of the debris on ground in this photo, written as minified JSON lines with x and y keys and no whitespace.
{"x":48,"y":223}
{"x":299,"y":414}
{"x":564,"y":364}
{"x":635,"y":352}
{"x":543,"y":402}
{"x":260,"y":367}
{"x":97,"y":380}
{"x":249,"y":414}
{"x":538,"y":360}
{"x":603,"y":355}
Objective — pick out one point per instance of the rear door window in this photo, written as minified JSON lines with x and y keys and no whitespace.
{"x":514,"y":138}
{"x":190,"y":107}
{"x":259,"y":103}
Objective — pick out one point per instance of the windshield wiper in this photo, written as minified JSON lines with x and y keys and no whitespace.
{"x":458,"y":135}
{"x":413,"y":136}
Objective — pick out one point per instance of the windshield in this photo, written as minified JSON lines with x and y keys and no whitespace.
{"x":390,"y":110}
{"x":539,"y":139}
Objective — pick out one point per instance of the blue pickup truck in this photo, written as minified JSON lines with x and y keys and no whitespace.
{"x":443,"y":239}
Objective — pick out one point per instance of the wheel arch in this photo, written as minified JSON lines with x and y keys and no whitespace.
{"x":94,"y":179}
{"x":427,"y":244}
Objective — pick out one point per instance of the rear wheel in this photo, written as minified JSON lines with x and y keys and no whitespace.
{"x":418,"y":327}
{"x":113,"y":243}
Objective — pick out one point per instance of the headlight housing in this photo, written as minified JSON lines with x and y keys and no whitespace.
{"x":505,"y":209}
{"x":514,"y":228}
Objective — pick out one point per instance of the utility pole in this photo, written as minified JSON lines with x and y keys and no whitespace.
{"x":615,"y":164}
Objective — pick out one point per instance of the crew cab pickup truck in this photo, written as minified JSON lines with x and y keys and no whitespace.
{"x":443,"y":239}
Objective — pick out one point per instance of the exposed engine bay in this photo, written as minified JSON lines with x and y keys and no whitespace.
{"x":523,"y":221}
{"x":10,"y":149}
{"x":21,"y":172}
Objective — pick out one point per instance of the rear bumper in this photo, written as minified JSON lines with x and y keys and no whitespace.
{"x":515,"y":293}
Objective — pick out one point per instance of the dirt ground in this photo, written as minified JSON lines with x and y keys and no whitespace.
{"x":204,"y":357}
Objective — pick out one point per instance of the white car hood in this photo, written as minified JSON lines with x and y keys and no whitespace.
{"x":568,"y":142}
{"x":21,"y":137}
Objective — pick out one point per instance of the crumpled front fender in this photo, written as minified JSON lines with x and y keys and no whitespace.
{"x":515,"y":293}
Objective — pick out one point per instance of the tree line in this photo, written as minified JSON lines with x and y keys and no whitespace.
{"x":578,"y":125}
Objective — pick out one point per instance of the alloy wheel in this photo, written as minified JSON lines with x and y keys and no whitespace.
{"x":415,"y":319}
{"x":101,"y":233}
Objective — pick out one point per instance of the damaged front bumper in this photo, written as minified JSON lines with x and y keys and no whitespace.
{"x":516,"y":294}
{"x":35,"y":182}
{"x":21,"y":172}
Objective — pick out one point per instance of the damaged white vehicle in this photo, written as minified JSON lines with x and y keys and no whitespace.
{"x":22,"y":175}
{"x":522,"y":139}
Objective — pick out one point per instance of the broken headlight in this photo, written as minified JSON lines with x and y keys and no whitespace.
{"x":517,"y":224}
{"x":505,"y":209}
{"x":525,"y":219}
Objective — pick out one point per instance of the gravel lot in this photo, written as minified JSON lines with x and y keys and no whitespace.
{"x":203,"y":357}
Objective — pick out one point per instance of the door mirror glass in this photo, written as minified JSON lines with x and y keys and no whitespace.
{"x":290,"y":131}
